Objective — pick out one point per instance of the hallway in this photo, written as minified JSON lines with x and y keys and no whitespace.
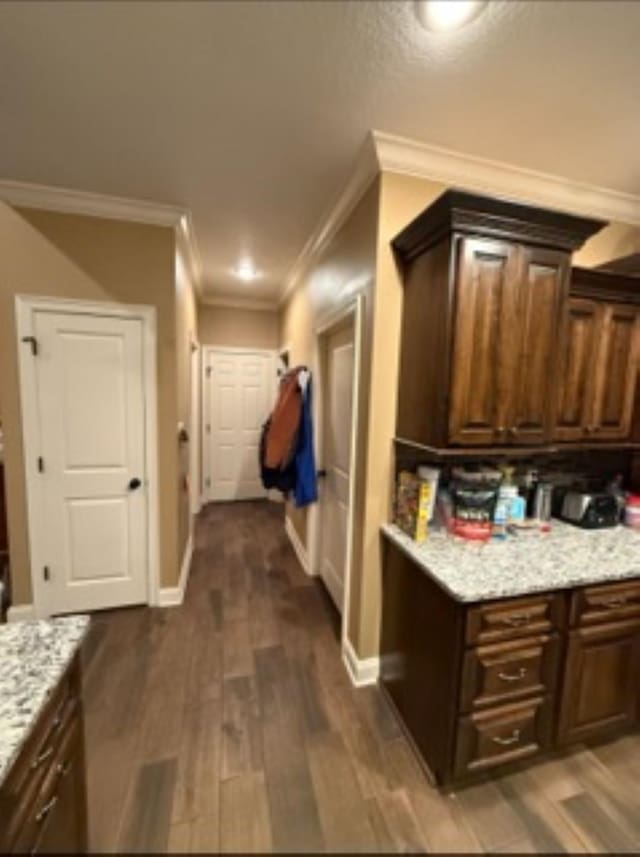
{"x":230,"y":724}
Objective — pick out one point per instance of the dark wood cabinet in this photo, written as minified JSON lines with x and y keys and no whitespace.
{"x":480,"y":686}
{"x":601,"y":681}
{"x":43,"y":797}
{"x":485,"y":283}
{"x":597,"y":393}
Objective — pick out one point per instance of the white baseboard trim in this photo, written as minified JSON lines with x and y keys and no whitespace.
{"x":361,"y":671}
{"x":296,"y":543}
{"x":173,"y":596}
{"x":21,"y":612}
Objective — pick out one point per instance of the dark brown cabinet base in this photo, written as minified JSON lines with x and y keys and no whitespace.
{"x":43,"y":798}
{"x":479,"y":686}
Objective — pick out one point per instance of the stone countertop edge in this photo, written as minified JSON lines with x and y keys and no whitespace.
{"x":472,"y":573}
{"x":34,"y":656}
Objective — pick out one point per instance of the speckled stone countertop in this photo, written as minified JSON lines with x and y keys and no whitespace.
{"x":565,"y":557}
{"x":33,"y":658}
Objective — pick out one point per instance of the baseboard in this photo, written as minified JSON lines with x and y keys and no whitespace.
{"x":173,"y":596}
{"x":21,"y":612}
{"x":296,"y":543}
{"x":361,"y":671}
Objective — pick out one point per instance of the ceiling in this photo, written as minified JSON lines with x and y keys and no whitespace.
{"x":250,"y":114}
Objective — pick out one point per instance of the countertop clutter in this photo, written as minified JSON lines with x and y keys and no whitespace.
{"x":474,"y":571}
{"x":33,"y":658}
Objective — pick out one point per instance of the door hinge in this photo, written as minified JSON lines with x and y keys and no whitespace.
{"x":208,"y":428}
{"x":45,"y":573}
{"x":33,"y":342}
{"x":207,"y":482}
{"x":209,"y":371}
{"x":40,"y":464}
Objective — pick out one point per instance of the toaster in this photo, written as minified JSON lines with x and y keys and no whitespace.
{"x":590,"y":511}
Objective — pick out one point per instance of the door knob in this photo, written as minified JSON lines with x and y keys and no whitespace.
{"x":134,"y":484}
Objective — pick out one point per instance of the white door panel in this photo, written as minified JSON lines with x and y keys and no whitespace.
{"x":338,"y":403}
{"x":238,"y":396}
{"x":90,"y":398}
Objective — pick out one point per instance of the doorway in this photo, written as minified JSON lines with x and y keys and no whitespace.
{"x":88,"y":386}
{"x":238,"y":391}
{"x":339,"y":364}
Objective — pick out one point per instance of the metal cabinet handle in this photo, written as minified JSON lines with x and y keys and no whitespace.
{"x":614,"y":603}
{"x":517,"y":619}
{"x":507,"y":742}
{"x":41,"y":758}
{"x":513,"y":676}
{"x":46,"y":809}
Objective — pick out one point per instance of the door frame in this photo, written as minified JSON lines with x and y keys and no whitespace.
{"x":325,"y":327}
{"x":25,"y":308}
{"x":195,"y":450}
{"x":207,"y":351}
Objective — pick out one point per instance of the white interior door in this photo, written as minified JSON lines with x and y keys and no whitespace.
{"x":239,"y":389}
{"x":334,"y":497}
{"x":91,"y":426}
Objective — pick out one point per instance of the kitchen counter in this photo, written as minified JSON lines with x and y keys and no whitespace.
{"x":521,"y":565}
{"x":33,"y":659}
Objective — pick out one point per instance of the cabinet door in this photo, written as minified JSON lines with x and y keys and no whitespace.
{"x":580,"y":338}
{"x":486,"y":269}
{"x":616,"y":372}
{"x":601,"y":681}
{"x":533,"y":316}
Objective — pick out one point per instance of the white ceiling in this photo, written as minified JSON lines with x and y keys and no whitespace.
{"x":250,"y":114}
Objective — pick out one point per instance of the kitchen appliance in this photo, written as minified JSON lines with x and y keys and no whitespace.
{"x":589,"y":510}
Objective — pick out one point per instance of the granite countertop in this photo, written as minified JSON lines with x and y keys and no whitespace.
{"x":567,"y":556}
{"x":33,"y":658}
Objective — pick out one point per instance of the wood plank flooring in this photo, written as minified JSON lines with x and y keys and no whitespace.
{"x":229,"y":724}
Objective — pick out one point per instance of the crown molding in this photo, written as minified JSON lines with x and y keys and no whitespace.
{"x":410,"y":157}
{"x":365,"y":170}
{"x":239,"y":303}
{"x":65,"y":201}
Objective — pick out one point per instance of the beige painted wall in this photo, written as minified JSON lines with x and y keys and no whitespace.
{"x":345,"y":268}
{"x":238,"y":328}
{"x":61,"y":255}
{"x":186,"y":334}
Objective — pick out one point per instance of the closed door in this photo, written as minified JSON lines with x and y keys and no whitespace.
{"x":486,"y":271}
{"x":533,"y":319}
{"x":334,"y":498}
{"x":601,"y":680}
{"x":616,"y":373}
{"x":239,"y":390}
{"x":582,"y":325}
{"x":91,"y":415}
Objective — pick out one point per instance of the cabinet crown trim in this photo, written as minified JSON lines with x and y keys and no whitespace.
{"x":604,"y":285}
{"x":466,"y":213}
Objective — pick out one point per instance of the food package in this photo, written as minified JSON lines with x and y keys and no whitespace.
{"x":413,"y":505}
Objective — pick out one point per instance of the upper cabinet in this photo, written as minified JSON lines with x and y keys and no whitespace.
{"x":485,"y":285}
{"x":600,"y":354}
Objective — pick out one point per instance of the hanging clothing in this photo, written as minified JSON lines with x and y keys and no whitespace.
{"x":283,"y":480}
{"x":306,"y":489}
{"x":282,"y":435}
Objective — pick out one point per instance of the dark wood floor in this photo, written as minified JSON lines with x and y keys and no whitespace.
{"x":230,"y":724}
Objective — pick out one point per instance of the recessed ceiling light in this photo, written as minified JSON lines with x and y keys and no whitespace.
{"x":448,"y":14}
{"x":246,"y":271}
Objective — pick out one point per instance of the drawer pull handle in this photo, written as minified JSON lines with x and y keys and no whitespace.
{"x":518,"y":676}
{"x":614,"y":603}
{"x":517,"y":620}
{"x":46,"y":809}
{"x":507,"y":742}
{"x":41,"y":758}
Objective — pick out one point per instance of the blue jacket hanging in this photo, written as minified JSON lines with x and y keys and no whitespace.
{"x":306,"y":490}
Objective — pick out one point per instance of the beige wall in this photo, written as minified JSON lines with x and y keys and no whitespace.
{"x":346,"y":267}
{"x":186,"y":334}
{"x":60,"y":255}
{"x":238,"y":328}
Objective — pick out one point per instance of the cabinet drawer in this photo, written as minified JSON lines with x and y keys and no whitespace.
{"x":605,"y":603}
{"x":503,"y":672}
{"x":500,"y":735}
{"x":517,"y":617}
